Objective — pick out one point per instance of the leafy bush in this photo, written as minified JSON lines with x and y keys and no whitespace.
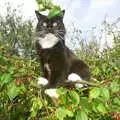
{"x":16,"y":35}
{"x":21,"y":98}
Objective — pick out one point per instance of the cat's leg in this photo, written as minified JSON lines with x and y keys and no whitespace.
{"x":81,"y":69}
{"x":73,"y":77}
{"x":52,"y":93}
{"x":44,"y":81}
{"x":57,"y":78}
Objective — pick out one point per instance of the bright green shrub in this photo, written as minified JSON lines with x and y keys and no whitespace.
{"x":22,"y":99}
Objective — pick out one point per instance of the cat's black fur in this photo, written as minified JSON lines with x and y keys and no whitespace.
{"x":58,"y":62}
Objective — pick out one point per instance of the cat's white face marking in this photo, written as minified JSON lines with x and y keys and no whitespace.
{"x":48,"y":41}
{"x":52,"y":93}
{"x":73,"y":77}
{"x":42,"y":81}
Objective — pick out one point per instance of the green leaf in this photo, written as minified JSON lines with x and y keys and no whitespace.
{"x":115,"y":86}
{"x":4,"y":78}
{"x":13,"y":90}
{"x":41,"y":8}
{"x":69,"y":113}
{"x":36,"y":105}
{"x":63,"y":95}
{"x":94,"y":93}
{"x":39,"y":1}
{"x":56,"y":11}
{"x":81,"y":115}
{"x":3,"y":60}
{"x":85,"y":104}
{"x":61,"y":91}
{"x":96,"y":71}
{"x":105,"y":93}
{"x":75,"y":97}
{"x":62,"y":113}
{"x":101,"y":108}
{"x":45,"y":118}
{"x":116,"y":101}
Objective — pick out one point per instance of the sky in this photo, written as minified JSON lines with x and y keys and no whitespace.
{"x":86,"y":14}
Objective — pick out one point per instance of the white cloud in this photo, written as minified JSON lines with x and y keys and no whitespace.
{"x":102,"y":3}
{"x":28,"y":7}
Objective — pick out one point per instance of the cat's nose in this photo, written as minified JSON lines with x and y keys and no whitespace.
{"x":49,"y":28}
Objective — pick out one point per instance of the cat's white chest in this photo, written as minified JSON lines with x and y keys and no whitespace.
{"x":48,"y":41}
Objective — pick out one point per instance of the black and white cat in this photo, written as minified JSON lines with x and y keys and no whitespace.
{"x":57,"y":61}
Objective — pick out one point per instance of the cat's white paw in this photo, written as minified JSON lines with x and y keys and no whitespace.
{"x":42,"y":81}
{"x":52,"y":93}
{"x":74,"y":78}
{"x":78,"y":85}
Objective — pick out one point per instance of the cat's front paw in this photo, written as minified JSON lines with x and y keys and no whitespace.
{"x":42,"y":81}
{"x":74,"y":77}
{"x":52,"y":92}
{"x":78,"y":85}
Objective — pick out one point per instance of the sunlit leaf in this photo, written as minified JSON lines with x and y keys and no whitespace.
{"x":94,"y":93}
{"x":36,"y":105}
{"x":116,"y":101}
{"x":13,"y":90}
{"x":85,"y":104}
{"x":81,"y":115}
{"x":101,"y":108}
{"x":62,"y":113}
{"x":75,"y":97}
{"x":115,"y":86}
{"x":105,"y":93}
{"x":5,"y":78}
{"x":56,"y":11}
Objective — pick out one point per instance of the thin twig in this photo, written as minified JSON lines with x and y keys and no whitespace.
{"x":68,"y":83}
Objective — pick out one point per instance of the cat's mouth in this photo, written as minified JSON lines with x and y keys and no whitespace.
{"x":48,"y":41}
{"x":50,"y":31}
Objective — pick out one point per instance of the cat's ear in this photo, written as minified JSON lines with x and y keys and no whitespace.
{"x":63,"y":12}
{"x":39,"y":16}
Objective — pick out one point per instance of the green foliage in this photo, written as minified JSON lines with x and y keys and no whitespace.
{"x":16,"y":35}
{"x":75,"y":97}
{"x":94,"y":93}
{"x":22,"y":99}
{"x":36,"y":105}
{"x":81,"y":116}
{"x":54,"y":10}
{"x":62,"y":112}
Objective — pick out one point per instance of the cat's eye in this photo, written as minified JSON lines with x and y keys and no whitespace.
{"x":54,"y":24}
{"x":44,"y":24}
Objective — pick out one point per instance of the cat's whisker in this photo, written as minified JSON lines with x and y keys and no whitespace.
{"x":61,"y":31}
{"x":39,"y":32}
{"x":60,"y":36}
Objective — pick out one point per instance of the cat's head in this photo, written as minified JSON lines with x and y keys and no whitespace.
{"x":54,"y":25}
